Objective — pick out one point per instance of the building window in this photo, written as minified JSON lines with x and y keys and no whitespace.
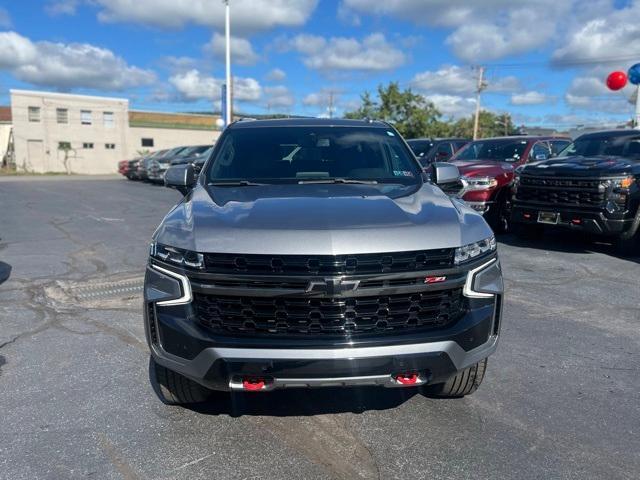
{"x":85,"y":117}
{"x":62,"y":115}
{"x":34,"y":114}
{"x":109,"y":120}
{"x":147,"y":142}
{"x":110,"y":146}
{"x":64,"y":145}
{"x":87,"y":146}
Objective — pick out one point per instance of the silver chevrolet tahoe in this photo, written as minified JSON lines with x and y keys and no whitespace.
{"x":317,"y":253}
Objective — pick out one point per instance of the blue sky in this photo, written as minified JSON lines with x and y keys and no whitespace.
{"x":546,"y":60}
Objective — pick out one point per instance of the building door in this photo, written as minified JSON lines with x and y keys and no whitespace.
{"x":35,"y":156}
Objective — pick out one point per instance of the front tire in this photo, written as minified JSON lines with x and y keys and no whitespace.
{"x":528,"y":230}
{"x":464,"y":383}
{"x":175,"y":389}
{"x":628,"y":246}
{"x":498,"y":219}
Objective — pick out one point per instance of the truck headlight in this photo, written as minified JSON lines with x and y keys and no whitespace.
{"x":178,"y":256}
{"x":474,"y":250}
{"x":478,"y":183}
{"x":622,"y":183}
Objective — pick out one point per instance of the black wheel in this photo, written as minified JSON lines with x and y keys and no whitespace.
{"x":628,"y":246}
{"x":464,"y":383}
{"x":175,"y":389}
{"x":498,"y":217}
{"x":528,"y":230}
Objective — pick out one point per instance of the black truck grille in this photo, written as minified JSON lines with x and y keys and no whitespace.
{"x":561,"y":191}
{"x":394,"y":262}
{"x":336,"y":316}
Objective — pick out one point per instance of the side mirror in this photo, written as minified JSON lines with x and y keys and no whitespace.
{"x":444,"y":173}
{"x":541,"y":156}
{"x":180,"y":177}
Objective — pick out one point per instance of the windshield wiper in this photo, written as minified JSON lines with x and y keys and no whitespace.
{"x":235,"y":183}
{"x":338,"y":180}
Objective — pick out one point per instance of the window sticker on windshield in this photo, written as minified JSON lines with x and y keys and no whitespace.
{"x":391,"y":134}
{"x":323,"y":142}
{"x":402,"y":173}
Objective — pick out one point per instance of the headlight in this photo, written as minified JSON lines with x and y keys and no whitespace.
{"x":478,"y":183}
{"x":178,"y":256}
{"x":624,"y":183}
{"x":474,"y":250}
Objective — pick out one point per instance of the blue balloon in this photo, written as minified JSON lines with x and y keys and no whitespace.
{"x":634,"y":74}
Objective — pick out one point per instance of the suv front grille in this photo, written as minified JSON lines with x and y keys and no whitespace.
{"x":561,"y":191}
{"x":337,"y":316}
{"x":375,"y":263}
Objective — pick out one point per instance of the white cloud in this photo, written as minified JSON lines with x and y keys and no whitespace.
{"x":5,"y":18}
{"x":66,"y":66}
{"x":316,"y":99}
{"x":590,"y":93}
{"x":276,"y":75}
{"x":453,"y":79}
{"x":179,"y":64}
{"x":62,"y":7}
{"x":531,"y":98}
{"x":193,"y":85}
{"x":242,"y":52}
{"x":247,"y":15}
{"x":372,"y":53}
{"x":482,"y":30}
{"x":453,"y":105}
{"x":610,"y":35}
{"x":278,"y":96}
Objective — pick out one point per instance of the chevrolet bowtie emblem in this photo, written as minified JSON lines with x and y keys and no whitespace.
{"x":332,"y":286}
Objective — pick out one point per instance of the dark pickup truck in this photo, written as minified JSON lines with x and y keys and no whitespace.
{"x":592,"y":187}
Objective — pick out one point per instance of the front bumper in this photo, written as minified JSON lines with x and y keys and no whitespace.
{"x":589,"y":221}
{"x":220,"y":362}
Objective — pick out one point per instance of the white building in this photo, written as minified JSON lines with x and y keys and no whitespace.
{"x":56,"y":132}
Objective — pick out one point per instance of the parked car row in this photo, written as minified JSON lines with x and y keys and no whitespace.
{"x":152,"y":167}
{"x":528,"y":183}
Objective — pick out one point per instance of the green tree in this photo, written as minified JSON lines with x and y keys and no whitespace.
{"x":411,"y":114}
{"x":489,"y":125}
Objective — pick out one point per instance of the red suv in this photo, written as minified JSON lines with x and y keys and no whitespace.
{"x":487,"y":167}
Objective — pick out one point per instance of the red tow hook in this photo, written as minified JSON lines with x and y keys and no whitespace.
{"x":407,"y":378}
{"x":252,"y":384}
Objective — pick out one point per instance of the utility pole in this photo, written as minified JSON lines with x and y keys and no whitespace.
{"x":481,"y":86}
{"x":227,"y":33}
{"x":637,"y":125}
{"x":330,"y":103}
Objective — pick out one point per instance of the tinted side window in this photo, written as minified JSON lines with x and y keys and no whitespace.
{"x":443,"y":151}
{"x":558,"y":145}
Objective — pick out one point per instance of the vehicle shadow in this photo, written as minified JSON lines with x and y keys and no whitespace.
{"x":305,"y":402}
{"x":568,"y":242}
{"x":5,"y":272}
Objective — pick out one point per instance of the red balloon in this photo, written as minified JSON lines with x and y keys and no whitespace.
{"x":616,"y":80}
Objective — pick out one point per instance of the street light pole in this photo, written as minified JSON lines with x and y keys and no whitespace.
{"x":227,"y":33}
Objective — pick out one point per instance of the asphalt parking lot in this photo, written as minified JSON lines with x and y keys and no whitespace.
{"x":561,"y":398}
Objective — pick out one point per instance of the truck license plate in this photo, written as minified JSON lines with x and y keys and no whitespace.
{"x":548,"y":217}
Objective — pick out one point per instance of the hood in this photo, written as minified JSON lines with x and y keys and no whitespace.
{"x":319,"y":220}
{"x":584,"y":166}
{"x":484,"y":168}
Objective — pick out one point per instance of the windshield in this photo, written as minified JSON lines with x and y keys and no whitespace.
{"x":498,"y":150}
{"x":193,"y":151}
{"x":297,"y":154}
{"x":589,"y":146}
